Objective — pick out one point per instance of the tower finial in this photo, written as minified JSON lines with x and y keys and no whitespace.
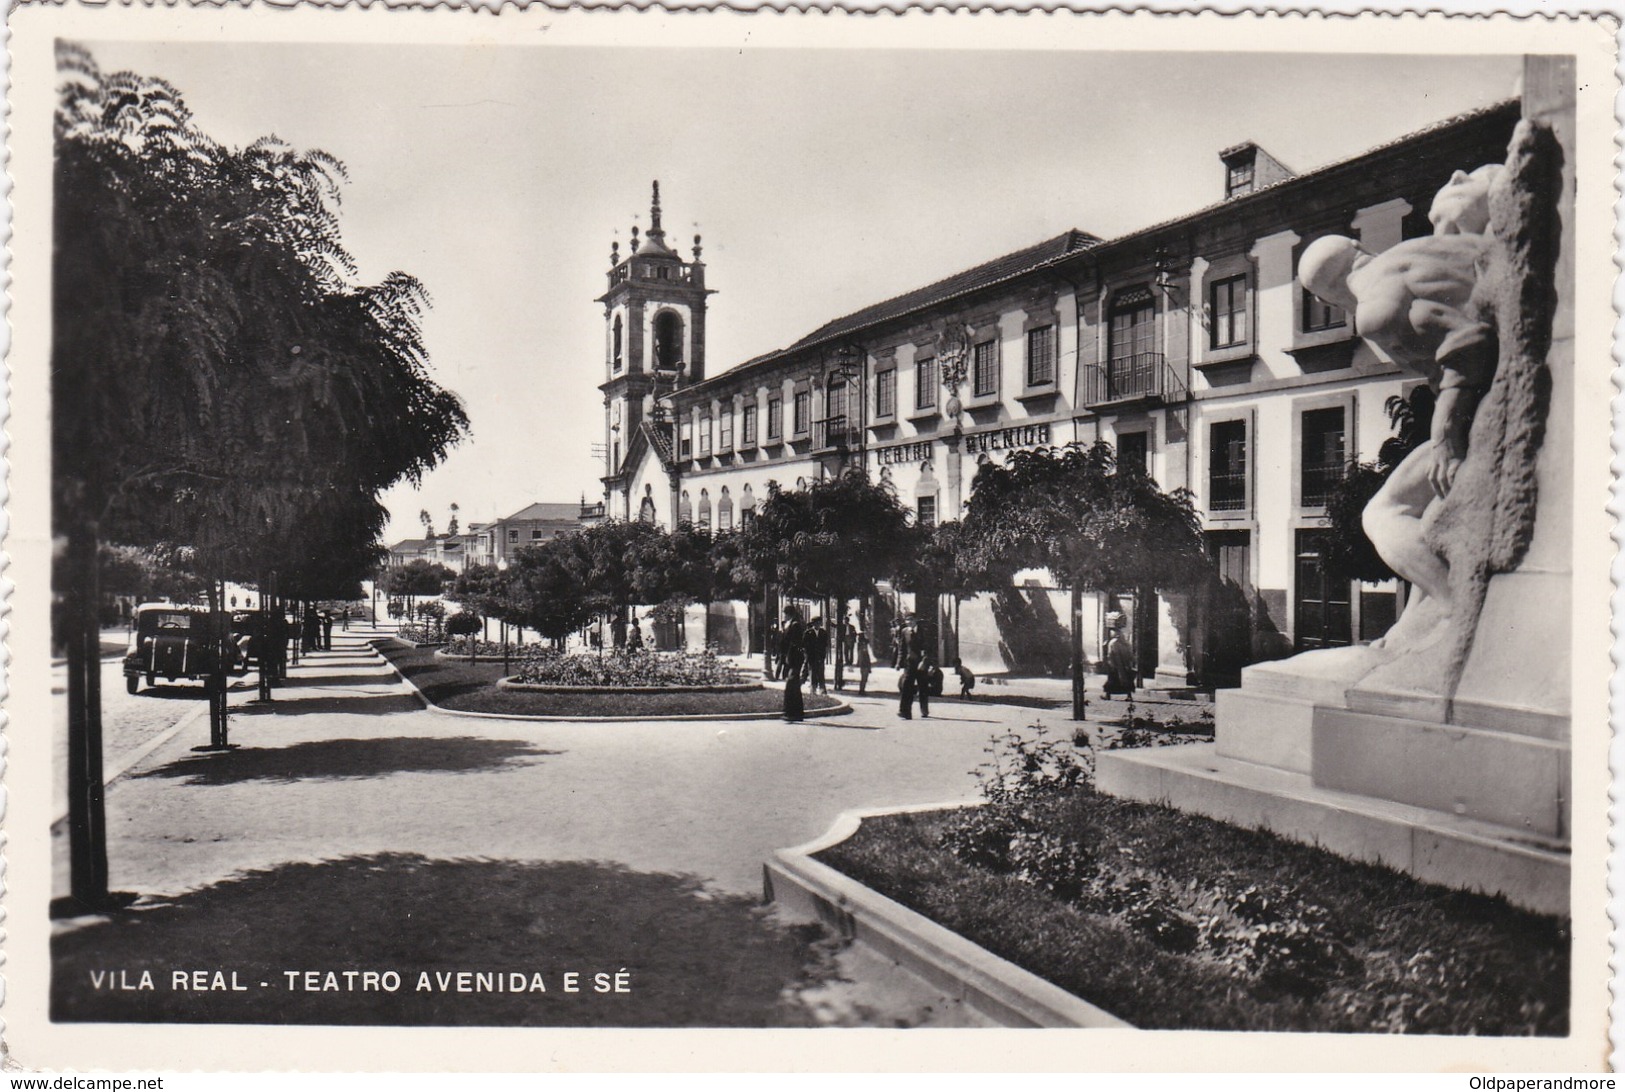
{"x":654,"y":215}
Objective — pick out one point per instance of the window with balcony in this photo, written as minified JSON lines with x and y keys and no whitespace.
{"x":686,"y":443}
{"x":985,"y":369}
{"x":1041,"y":356}
{"x":925,"y":383}
{"x":1133,"y":368}
{"x":1227,"y":467}
{"x":775,"y":417}
{"x":799,"y":418}
{"x":886,"y":393}
{"x":1325,"y":455}
{"x":1228,"y":300}
{"x":747,"y":425}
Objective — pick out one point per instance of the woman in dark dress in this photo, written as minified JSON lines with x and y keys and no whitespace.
{"x":793,"y":662}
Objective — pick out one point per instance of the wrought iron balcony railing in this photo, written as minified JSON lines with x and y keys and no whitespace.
{"x":1139,"y":377}
{"x":837,"y":433}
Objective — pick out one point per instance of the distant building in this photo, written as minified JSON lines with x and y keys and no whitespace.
{"x":530,"y":526}
{"x":1188,"y":345}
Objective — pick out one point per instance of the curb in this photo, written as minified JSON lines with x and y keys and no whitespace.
{"x":840,"y":710}
{"x":128,"y":761}
{"x":988,"y":983}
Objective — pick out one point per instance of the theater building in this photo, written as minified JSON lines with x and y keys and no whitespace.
{"x":1188,"y":345}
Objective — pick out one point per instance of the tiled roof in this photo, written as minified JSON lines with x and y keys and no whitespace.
{"x":566,"y":513}
{"x":986,"y":275}
{"x":1309,"y":177}
{"x":407,"y":545}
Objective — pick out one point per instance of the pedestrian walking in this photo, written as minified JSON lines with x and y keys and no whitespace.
{"x":865,"y":661}
{"x":634,"y":640}
{"x":907,"y":681}
{"x":327,"y":631}
{"x":793,"y":662}
{"x":770,"y":645}
{"x":927,"y":677}
{"x":897,"y":643}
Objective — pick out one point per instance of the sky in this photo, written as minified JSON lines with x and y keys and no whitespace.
{"x":821,"y":180}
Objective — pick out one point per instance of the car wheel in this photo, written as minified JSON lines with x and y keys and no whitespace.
{"x":132,"y":683}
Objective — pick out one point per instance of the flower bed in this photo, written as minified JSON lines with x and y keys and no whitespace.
{"x":1172,"y":920}
{"x":415,"y":634}
{"x":627,"y":671}
{"x":487,"y":650}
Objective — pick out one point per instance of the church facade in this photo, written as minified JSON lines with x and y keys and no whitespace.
{"x":1189,"y":345}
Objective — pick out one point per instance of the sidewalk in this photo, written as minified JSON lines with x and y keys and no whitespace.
{"x":351,"y":817}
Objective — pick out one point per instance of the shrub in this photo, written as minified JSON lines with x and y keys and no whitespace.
{"x":418,"y":634}
{"x":463,"y":624}
{"x":642,"y":668}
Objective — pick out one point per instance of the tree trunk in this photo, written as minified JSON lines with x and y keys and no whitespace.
{"x":87,"y":822}
{"x":1080,"y":701}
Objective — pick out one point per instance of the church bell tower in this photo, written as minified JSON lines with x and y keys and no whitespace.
{"x":654,"y":341}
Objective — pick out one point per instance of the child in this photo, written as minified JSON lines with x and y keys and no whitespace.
{"x":967,"y":680}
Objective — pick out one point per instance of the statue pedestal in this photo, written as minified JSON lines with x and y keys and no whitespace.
{"x":1482,"y":806}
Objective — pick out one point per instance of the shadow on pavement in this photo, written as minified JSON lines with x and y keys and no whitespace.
{"x":382,"y":675}
{"x":344,"y":759}
{"x":358,"y":704}
{"x":692,"y":957}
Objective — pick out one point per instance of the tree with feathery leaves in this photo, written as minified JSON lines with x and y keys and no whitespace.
{"x":1093,"y":526}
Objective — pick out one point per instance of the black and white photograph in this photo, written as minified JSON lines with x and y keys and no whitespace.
{"x":624,"y":522}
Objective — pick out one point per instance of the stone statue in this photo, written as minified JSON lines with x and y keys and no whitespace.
{"x":1414,"y":303}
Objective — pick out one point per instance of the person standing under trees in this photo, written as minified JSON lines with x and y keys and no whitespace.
{"x":865,"y":661}
{"x":634,"y":639}
{"x":792,"y":662}
{"x":1119,"y":662}
{"x":817,"y":642}
{"x":927,"y":677}
{"x":769,"y":647}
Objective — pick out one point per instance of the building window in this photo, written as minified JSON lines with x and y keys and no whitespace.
{"x":925,"y":383}
{"x":725,"y":430}
{"x":926,"y":511}
{"x":687,"y":441}
{"x":705,"y":510}
{"x":1040,"y":356}
{"x":1227,"y":467}
{"x":775,"y":417}
{"x":668,"y":340}
{"x":886,"y":393}
{"x":617,"y":353}
{"x":1324,"y":455}
{"x":1319,"y":315}
{"x":725,"y":511}
{"x":985,"y":369}
{"x":1322,"y":614}
{"x":513,"y":535}
{"x":1229,"y":301}
{"x":835,"y":403}
{"x":1131,"y":365}
{"x":685,"y":509}
{"x":705,"y":436}
{"x":798,"y":423}
{"x":1239,"y":178}
{"x":536,"y":534}
{"x":747,"y":425}
{"x":1134,"y":452}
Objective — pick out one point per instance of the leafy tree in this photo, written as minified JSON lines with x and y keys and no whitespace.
{"x":216,"y":376}
{"x":1348,"y":554}
{"x":948,"y":561}
{"x":608,"y":558}
{"x":833,"y":539}
{"x":1094,"y":529}
{"x":419,"y":576}
{"x":547,"y":589}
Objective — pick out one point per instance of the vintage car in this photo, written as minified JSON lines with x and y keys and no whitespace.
{"x":172,"y":641}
